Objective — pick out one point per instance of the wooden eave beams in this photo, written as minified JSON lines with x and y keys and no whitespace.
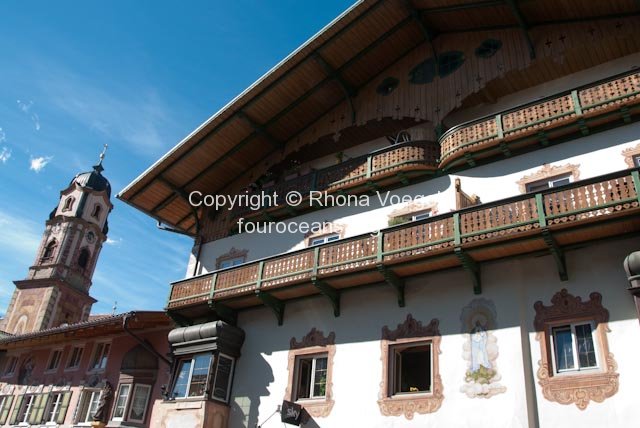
{"x":524,"y":26}
{"x":429,"y":35}
{"x":260,"y":129}
{"x":349,"y":91}
{"x":463,"y":6}
{"x":178,"y":191}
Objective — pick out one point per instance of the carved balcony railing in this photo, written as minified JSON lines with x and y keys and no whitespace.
{"x":573,"y":112}
{"x":548,"y":220}
{"x":396,"y":163}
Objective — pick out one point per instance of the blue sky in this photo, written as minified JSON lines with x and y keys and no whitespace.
{"x":139,"y":76}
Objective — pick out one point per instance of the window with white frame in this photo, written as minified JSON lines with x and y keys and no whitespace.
{"x":410,"y":368}
{"x":311,"y":376}
{"x":139,"y":403}
{"x":121,"y":401}
{"x":75,"y":357}
{"x":227,"y":263}
{"x":548,"y":183}
{"x":56,"y":407}
{"x":319,"y":240}
{"x":10,"y":367}
{"x":89,"y":401}
{"x":420,"y":215}
{"x":192,"y":376}
{"x":574,"y":347}
{"x":100,"y":357}
{"x":54,"y":360}
{"x":25,"y":409}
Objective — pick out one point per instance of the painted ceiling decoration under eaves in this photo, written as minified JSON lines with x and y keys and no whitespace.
{"x":384,"y":66}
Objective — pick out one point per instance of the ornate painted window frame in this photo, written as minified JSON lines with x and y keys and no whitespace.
{"x":581,"y":387}
{"x":312,"y":343}
{"x":406,"y":213}
{"x":233,"y":253}
{"x":549,"y":171}
{"x":411,"y":331}
{"x":629,"y":154}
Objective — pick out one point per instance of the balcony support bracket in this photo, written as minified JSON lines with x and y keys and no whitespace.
{"x":275,"y":304}
{"x":626,"y":114}
{"x":469,"y":158}
{"x":224,"y":312}
{"x":504,"y":148}
{"x":403,"y":178}
{"x":395,"y":281}
{"x":543,"y":139}
{"x":372,"y":186}
{"x":472,"y":267}
{"x":557,"y":253}
{"x":582,"y":125}
{"x":331,"y":293}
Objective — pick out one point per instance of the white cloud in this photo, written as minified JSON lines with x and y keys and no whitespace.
{"x":25,"y":107}
{"x":5,"y":154}
{"x":37,"y":164}
{"x":114,"y":242}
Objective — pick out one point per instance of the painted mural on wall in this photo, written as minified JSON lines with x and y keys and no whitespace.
{"x":480,"y":350}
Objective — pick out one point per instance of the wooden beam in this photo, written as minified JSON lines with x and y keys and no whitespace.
{"x":463,"y":6}
{"x":224,"y":312}
{"x":472,"y":267}
{"x":349,"y":91}
{"x":557,"y":253}
{"x":524,"y":26}
{"x":391,"y":278}
{"x":260,"y":129}
{"x":329,"y":292}
{"x":276,"y":305}
{"x":428,"y":35}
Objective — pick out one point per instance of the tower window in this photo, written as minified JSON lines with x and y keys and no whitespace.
{"x":49,"y":250}
{"x":68,"y":204}
{"x":83,"y":258}
{"x":97,"y":209}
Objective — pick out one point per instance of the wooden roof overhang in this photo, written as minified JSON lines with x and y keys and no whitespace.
{"x":324,"y":72}
{"x":94,"y":328}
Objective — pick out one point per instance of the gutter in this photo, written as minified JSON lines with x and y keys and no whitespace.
{"x":142,"y":342}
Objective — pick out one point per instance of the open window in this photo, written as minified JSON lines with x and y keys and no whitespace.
{"x":204,"y":366}
{"x":88,"y":404}
{"x":55,"y":407}
{"x":576,"y":365}
{"x":97,"y":209}
{"x":310,"y":372}
{"x":68,"y":204}
{"x":54,"y":360}
{"x":410,"y":369}
{"x":10,"y":366}
{"x":75,"y":357}
{"x":83,"y":258}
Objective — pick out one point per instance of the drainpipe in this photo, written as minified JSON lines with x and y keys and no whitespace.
{"x":145,"y":344}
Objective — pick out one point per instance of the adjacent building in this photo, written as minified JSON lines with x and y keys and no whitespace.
{"x":59,"y":365}
{"x":436,"y":199}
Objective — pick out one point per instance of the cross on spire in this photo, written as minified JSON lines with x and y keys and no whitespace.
{"x":99,"y":167}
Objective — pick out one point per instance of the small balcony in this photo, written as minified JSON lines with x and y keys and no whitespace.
{"x":546,"y":221}
{"x":396,"y":164}
{"x":561,"y":117}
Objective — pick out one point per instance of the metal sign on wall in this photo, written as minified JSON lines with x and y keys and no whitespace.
{"x":291,"y":413}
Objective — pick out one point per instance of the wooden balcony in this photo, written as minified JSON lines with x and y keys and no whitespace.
{"x":547,"y":221}
{"x":564,"y":116}
{"x":396,"y":164}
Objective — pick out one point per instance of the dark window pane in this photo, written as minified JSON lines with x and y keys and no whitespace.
{"x":586,"y":351}
{"x":304,"y":378}
{"x":413,"y":366}
{"x":563,"y":348}
{"x":180,"y":387}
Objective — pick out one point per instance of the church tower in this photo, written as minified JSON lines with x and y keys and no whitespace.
{"x":56,"y":290}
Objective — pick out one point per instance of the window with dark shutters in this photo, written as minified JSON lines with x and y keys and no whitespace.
{"x":222,"y":381}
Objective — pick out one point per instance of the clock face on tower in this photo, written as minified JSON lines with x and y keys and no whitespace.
{"x":91,"y":237}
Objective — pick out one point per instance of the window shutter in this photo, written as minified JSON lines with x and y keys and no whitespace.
{"x":77,"y":415}
{"x":63,"y":407}
{"x":38,"y":413}
{"x":16,"y":410}
{"x":224,"y":370}
{"x":4,"y":412}
{"x":35,"y":409}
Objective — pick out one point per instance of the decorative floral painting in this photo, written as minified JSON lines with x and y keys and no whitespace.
{"x":480,"y":350}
